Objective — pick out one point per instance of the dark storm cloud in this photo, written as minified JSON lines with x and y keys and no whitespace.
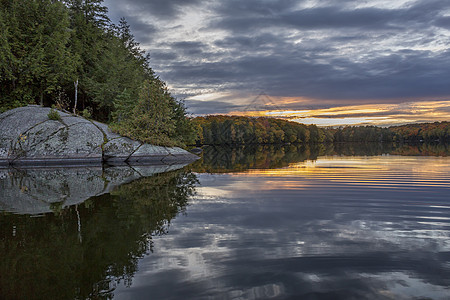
{"x":143,"y":32}
{"x":187,"y":45}
{"x":329,"y":17}
{"x":209,"y":107}
{"x":249,"y":42}
{"x":254,"y":14}
{"x":331,"y":51}
{"x":443,"y":22}
{"x":413,"y":74}
{"x":163,"y":56}
{"x":207,"y":73}
{"x":314,"y":18}
{"x":188,"y":48}
{"x":156,"y":8}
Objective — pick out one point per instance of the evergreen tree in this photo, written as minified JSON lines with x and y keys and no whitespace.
{"x":34,"y":44}
{"x":89,"y":24}
{"x":122,"y":66}
{"x":6,"y":61}
{"x":151,"y":119}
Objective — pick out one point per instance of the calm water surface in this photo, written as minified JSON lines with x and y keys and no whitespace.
{"x":267,"y":223}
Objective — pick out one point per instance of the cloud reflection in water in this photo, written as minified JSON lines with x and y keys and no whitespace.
{"x":337,"y":228}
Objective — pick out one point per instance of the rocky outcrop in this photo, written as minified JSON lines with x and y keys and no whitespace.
{"x":28,"y":136}
{"x":42,"y":190}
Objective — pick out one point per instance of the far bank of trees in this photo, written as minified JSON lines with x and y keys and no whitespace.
{"x":423,"y":132}
{"x":219,"y":130}
{"x":51,"y":49}
{"x":216,"y":130}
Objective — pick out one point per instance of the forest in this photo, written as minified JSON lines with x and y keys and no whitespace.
{"x":68,"y":54}
{"x":245,"y":130}
{"x":233,"y":130}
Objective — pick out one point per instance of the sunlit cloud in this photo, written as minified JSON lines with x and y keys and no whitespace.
{"x":207,"y":95}
{"x":373,"y":114}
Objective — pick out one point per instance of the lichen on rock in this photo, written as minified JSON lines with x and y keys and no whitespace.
{"x":28,"y":136}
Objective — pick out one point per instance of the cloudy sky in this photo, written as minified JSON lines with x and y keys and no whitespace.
{"x":314,"y":61}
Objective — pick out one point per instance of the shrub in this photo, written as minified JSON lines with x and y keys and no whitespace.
{"x":54,"y":115}
{"x":87,"y":113}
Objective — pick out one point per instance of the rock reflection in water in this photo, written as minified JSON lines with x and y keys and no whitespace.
{"x":84,"y":250}
{"x":42,"y":190}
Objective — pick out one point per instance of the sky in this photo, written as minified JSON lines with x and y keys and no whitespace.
{"x":323,"y":62}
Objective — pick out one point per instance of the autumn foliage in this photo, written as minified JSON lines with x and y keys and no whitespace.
{"x":235,"y":130}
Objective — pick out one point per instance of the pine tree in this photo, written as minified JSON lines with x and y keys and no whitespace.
{"x":152,"y":117}
{"x":34,"y":44}
{"x":122,"y":66}
{"x":89,"y":24}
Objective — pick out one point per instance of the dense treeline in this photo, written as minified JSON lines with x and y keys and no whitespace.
{"x":421,"y":132}
{"x":69,"y":54}
{"x":219,"y":130}
{"x":426,"y":132}
{"x":361,"y":134}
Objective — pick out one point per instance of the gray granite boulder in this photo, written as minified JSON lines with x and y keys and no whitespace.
{"x":28,"y":136}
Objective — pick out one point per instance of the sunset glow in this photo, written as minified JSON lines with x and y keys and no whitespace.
{"x":373,"y":114}
{"x":356,"y":169}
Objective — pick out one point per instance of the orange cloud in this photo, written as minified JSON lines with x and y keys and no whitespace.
{"x":369,"y":114}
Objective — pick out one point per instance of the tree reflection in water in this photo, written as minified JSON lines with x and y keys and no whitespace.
{"x":222,"y":159}
{"x":84,"y":251}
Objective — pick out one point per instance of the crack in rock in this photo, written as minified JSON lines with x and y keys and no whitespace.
{"x":35,"y":140}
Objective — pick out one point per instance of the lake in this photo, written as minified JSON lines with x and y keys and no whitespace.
{"x":291,"y":222}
